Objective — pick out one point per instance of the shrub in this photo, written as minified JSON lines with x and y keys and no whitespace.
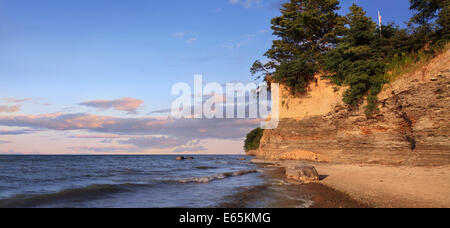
{"x":253,"y":139}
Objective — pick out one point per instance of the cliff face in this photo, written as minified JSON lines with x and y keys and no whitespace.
{"x":412,"y":128}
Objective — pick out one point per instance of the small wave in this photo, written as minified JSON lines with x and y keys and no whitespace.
{"x":217,"y":177}
{"x":84,"y":193}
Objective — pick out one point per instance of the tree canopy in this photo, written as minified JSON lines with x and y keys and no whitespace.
{"x":430,"y":13}
{"x":349,"y":50}
{"x":306,"y":29}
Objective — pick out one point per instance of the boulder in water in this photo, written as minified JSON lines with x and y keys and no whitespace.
{"x":180,"y":158}
{"x":305,"y":174}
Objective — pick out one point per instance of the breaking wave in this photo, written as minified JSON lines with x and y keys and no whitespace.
{"x":208,"y":179}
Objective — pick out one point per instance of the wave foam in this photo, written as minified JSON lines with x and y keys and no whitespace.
{"x":217,"y":176}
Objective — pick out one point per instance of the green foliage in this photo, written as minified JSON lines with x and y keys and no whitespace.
{"x":432,"y":16}
{"x":253,"y":139}
{"x":426,"y":10}
{"x":393,"y":42}
{"x":295,"y":74}
{"x":304,"y":26}
{"x":351,"y":51}
{"x":444,"y":20}
{"x":367,"y":58}
{"x":257,"y":66}
{"x":357,"y":60}
{"x":306,"y":29}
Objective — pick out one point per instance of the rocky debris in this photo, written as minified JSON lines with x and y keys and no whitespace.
{"x":305,"y":174}
{"x":184,"y":158}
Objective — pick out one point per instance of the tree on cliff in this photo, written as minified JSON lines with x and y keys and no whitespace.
{"x":350,"y":50}
{"x":433,"y":18}
{"x":306,"y":30}
{"x":356,"y":61}
{"x":427,"y":10}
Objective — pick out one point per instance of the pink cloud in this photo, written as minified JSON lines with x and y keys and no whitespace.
{"x":95,"y":136}
{"x":156,"y":142}
{"x":10,"y":109}
{"x":189,"y":149}
{"x":133,"y":133}
{"x":14,"y":100}
{"x":129,"y":105}
{"x":194,"y":128}
{"x":110,"y":149}
{"x":81,"y":121}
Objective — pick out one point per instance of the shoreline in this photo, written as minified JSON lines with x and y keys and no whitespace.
{"x":383,"y":186}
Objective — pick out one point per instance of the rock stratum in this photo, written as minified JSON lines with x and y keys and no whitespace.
{"x":412,"y":127}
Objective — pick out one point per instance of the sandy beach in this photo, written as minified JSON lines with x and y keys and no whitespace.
{"x":385,"y":186}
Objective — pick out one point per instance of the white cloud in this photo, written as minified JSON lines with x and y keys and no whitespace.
{"x":188,"y":36}
{"x":263,"y":31}
{"x":191,"y":40}
{"x":235,"y":44}
{"x":179,"y":34}
{"x":246,"y":3}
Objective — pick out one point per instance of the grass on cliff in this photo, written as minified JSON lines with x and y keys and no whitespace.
{"x":401,"y":65}
{"x":253,"y":139}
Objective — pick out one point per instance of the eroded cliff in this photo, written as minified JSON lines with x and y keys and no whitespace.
{"x":412,"y":127}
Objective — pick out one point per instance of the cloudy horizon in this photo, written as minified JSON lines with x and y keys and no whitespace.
{"x":95,"y":77}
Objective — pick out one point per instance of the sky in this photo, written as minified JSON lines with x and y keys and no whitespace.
{"x":95,"y":77}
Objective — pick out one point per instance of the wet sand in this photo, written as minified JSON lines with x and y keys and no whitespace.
{"x":278,"y":192}
{"x":382,"y":186}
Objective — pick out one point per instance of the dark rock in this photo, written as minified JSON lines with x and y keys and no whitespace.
{"x":180,"y":158}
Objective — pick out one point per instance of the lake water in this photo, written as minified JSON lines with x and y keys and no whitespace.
{"x":146,"y":181}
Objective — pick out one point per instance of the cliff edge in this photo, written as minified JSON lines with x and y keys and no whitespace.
{"x":412,"y":127}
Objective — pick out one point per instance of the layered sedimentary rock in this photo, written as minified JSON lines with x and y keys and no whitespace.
{"x":411,"y":128}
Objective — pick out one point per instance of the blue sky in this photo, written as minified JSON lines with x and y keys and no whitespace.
{"x":57,"y":54}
